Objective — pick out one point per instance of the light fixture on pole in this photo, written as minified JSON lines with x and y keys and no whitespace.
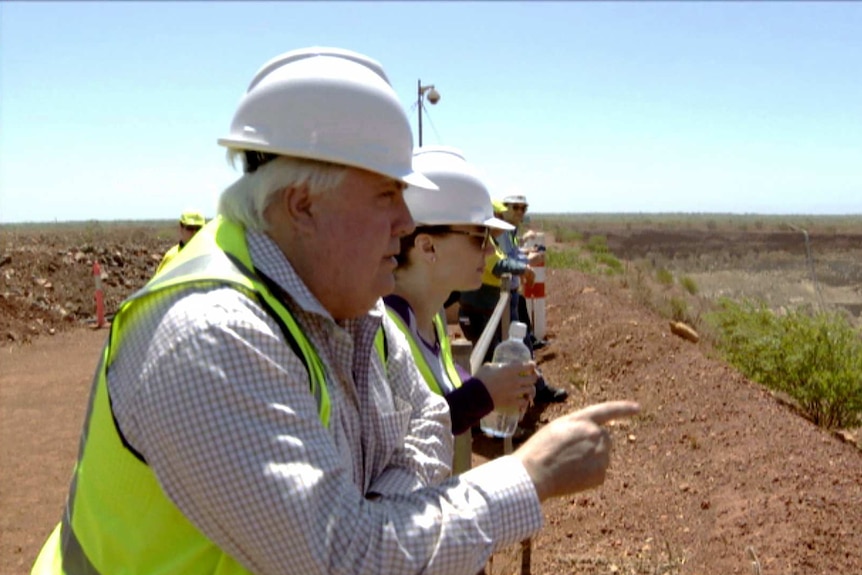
{"x":433,"y":97}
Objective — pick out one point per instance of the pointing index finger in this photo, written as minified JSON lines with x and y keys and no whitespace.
{"x":602,"y":413}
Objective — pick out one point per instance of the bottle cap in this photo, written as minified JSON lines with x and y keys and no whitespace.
{"x":517,"y":330}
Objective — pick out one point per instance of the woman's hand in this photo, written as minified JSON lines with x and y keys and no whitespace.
{"x":510,"y":385}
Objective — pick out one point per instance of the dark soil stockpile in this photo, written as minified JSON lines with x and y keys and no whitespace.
{"x":714,"y":475}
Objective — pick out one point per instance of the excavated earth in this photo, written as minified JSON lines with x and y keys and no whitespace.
{"x":716,"y":476}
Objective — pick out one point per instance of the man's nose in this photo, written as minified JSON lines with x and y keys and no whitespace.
{"x":403,"y":224}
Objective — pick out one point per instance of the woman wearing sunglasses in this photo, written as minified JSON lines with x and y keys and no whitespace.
{"x":446,"y":252}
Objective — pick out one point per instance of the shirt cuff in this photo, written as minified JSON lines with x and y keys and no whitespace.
{"x":395,"y":481}
{"x":515,"y":510}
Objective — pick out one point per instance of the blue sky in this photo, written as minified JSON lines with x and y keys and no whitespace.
{"x":111,"y":110}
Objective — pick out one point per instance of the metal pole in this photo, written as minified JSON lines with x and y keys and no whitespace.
{"x":506,"y":289}
{"x":419,"y":107}
{"x":810,"y":261}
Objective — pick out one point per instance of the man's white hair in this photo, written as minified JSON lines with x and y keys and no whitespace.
{"x":246,"y":200}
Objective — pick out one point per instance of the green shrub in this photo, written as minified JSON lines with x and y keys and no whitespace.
{"x":664,"y":277}
{"x":636,"y":280}
{"x":678,"y":309}
{"x":569,"y":258}
{"x":816,"y":358}
{"x":688,"y":285}
{"x":597,"y":244}
{"x":566,"y":234}
{"x":591,"y":263}
{"x":612,"y":264}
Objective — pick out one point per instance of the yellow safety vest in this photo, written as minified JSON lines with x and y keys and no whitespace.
{"x":117,"y":518}
{"x":169,"y":255}
{"x":488,"y":276}
{"x":463,"y":442}
{"x":419,"y":357}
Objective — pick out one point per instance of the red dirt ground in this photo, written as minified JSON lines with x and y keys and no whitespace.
{"x":714,"y":475}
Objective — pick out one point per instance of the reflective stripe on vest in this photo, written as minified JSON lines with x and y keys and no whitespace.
{"x":117,"y":518}
{"x":419,"y":357}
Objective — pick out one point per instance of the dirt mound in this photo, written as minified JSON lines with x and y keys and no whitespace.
{"x":48,"y":280}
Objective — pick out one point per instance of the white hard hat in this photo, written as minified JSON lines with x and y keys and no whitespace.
{"x":462,"y":198}
{"x":515,"y":199}
{"x":327,"y":104}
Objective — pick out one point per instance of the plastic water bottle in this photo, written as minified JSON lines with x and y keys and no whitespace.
{"x":503,"y":422}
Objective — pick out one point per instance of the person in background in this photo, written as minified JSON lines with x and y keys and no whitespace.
{"x":190,"y":223}
{"x":256,"y":410}
{"x":446,"y":252}
{"x":511,"y":243}
{"x":477,"y":306}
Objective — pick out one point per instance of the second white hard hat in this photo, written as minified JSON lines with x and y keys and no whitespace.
{"x":462,"y":197}
{"x":327,"y":104}
{"x":515,"y":199}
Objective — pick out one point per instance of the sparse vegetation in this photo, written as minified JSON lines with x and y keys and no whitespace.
{"x":678,"y":309}
{"x":565,"y":226}
{"x":597,"y":244}
{"x":563,"y":232}
{"x":591,"y":262}
{"x":814,"y":357}
{"x":640,"y":287}
{"x":688,"y":284}
{"x":569,"y":258}
{"x":614,"y":266}
{"x":664,"y":276}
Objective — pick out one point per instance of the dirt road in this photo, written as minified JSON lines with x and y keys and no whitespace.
{"x":43,"y":396}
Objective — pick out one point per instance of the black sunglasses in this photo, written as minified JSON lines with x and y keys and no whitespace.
{"x":443,"y":230}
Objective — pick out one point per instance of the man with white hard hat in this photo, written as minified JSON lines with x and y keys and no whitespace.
{"x":256,"y":411}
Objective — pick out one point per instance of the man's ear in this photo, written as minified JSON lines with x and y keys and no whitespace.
{"x":294,"y":205}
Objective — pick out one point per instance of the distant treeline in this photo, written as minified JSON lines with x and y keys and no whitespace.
{"x":845,"y":223}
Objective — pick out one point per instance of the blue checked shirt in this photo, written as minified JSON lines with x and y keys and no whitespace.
{"x":509,"y":245}
{"x":204,"y":387}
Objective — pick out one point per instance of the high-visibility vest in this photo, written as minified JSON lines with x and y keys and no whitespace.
{"x":488,"y":276}
{"x":117,"y":518}
{"x":419,"y":357}
{"x":463,"y":442}
{"x":169,"y":255}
